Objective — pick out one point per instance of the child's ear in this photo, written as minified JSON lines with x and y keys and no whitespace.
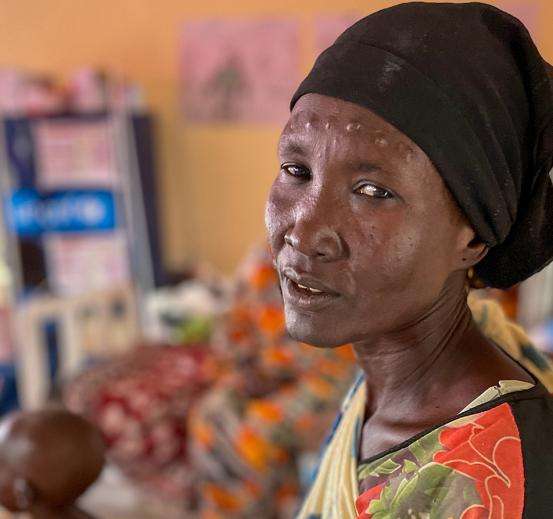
{"x":17,"y":495}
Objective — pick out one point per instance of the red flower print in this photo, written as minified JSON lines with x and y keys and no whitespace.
{"x":365,"y":499}
{"x":488,"y":450}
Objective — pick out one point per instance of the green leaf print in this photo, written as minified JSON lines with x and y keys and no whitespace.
{"x":433,"y":492}
{"x":388,"y":467}
{"x":387,"y":494}
{"x":403,"y":483}
{"x":378,"y":468}
{"x":378,"y":506}
{"x":424,"y":448}
{"x":409,"y":466}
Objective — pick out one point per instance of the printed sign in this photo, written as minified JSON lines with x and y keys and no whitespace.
{"x":80,"y":264}
{"x":76,"y":153}
{"x":30,"y":213}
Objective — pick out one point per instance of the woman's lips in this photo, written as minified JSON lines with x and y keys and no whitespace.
{"x":303,"y":294}
{"x":308,"y":282}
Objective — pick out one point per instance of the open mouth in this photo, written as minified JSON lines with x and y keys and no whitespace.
{"x":308,"y":290}
{"x":305,"y":296}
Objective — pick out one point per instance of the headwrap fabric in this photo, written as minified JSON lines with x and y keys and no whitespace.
{"x":466,"y":83}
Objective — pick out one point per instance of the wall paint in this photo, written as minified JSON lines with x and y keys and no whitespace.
{"x":213,"y":179}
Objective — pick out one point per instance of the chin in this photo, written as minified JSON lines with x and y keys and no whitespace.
{"x":306,"y":330}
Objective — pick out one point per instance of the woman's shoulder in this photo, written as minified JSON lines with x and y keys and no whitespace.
{"x":534,"y":420}
{"x":498,"y":454}
{"x":510,"y":337}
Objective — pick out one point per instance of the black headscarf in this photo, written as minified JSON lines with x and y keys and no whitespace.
{"x":466,"y":83}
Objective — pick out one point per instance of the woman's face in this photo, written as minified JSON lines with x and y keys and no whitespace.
{"x":363,"y":232}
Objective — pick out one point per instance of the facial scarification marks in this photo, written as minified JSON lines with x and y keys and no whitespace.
{"x":405,"y":150}
{"x":307,"y":120}
{"x":353,"y":127}
{"x":380,"y":139}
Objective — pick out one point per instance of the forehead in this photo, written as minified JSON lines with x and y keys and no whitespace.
{"x":316,"y":115}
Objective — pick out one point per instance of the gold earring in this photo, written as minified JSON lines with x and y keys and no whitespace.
{"x":473,"y":280}
{"x":468,"y":278}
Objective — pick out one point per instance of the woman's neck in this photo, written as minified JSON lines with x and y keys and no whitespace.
{"x":434,"y":366}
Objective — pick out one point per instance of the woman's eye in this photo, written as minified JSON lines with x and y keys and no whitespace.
{"x":294,"y":170}
{"x":374,"y":191}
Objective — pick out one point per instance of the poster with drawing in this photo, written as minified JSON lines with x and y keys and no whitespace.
{"x":89,"y":263}
{"x":81,"y":154}
{"x":236,"y":70}
{"x":526,"y":12}
{"x":329,"y":26}
{"x":75,"y":154}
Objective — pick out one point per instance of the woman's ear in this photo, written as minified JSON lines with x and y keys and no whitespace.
{"x":471,"y":249}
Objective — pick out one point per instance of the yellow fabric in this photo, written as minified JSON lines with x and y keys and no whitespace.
{"x":503,"y":388}
{"x":491,"y":319}
{"x":335,"y":489}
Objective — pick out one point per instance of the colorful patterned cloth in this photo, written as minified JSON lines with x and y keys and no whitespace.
{"x":274,"y":403}
{"x":494,"y":460}
{"x":224,"y":426}
{"x":470,"y":468}
{"x":140,"y":402}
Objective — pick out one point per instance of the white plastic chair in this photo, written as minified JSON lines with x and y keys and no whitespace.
{"x":89,"y":326}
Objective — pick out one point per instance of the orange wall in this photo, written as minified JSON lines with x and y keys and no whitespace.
{"x":213,"y":179}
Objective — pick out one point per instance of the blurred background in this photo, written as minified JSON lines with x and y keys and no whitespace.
{"x":137,"y":146}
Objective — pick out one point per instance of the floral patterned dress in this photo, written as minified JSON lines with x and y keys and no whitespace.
{"x":469,"y":468}
{"x":494,"y":460}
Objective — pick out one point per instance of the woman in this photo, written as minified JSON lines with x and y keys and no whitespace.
{"x":417,"y":155}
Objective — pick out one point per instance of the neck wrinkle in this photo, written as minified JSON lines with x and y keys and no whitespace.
{"x":402,"y":368}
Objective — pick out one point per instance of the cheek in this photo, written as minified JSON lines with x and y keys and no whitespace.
{"x":381,"y":241}
{"x":397,"y":256}
{"x":277,"y":217}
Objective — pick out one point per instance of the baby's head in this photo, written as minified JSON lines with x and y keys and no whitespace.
{"x":47,"y":458}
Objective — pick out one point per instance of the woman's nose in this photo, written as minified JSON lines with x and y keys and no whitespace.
{"x":315,"y":239}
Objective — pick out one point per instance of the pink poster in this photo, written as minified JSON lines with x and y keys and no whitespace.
{"x":75,"y":154}
{"x":239,"y":70}
{"x":329,"y":27}
{"x":81,"y":264}
{"x":526,"y":12}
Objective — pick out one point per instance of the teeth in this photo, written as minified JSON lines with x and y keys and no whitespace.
{"x":312,"y":290}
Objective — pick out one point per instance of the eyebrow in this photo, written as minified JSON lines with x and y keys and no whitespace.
{"x":293,"y":147}
{"x":366,"y":167}
{"x":296,"y":147}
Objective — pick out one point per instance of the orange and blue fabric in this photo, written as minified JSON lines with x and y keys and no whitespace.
{"x":274,"y":402}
